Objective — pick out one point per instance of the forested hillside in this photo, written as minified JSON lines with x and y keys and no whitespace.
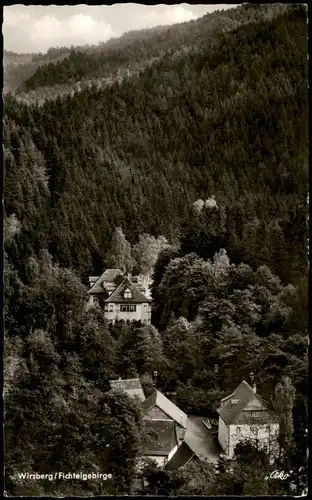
{"x":20,"y":67}
{"x":229,"y":120}
{"x":134,"y":51}
{"x":206,"y":149}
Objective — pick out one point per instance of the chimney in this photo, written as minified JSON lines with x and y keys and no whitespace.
{"x":119,"y":378}
{"x":254,"y":388}
{"x":155,"y":375}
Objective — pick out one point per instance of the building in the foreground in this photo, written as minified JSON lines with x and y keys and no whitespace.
{"x":244,"y":415}
{"x":165,"y":426}
{"x":131,"y":386}
{"x":160,"y":441}
{"x":121,"y":297}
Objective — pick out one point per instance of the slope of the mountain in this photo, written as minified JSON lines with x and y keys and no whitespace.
{"x":229,"y":119}
{"x":133,"y":50}
{"x":20,"y":67}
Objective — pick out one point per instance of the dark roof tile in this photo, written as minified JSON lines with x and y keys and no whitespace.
{"x":158,"y":399}
{"x":159,"y":437}
{"x":137,"y":296}
{"x":108,"y":275}
{"x":181,"y":457}
{"x":243,"y":394}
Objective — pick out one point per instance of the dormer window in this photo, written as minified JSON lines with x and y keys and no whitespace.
{"x":234,"y":402}
{"x":127,"y":294}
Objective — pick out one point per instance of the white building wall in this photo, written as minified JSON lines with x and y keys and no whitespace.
{"x":110,"y":287}
{"x":141,"y":313}
{"x":254,"y":404}
{"x":160,"y":460}
{"x":223,"y":434}
{"x":172,"y":452}
{"x":265,"y":433}
{"x":146,"y":281}
{"x":91,"y":300}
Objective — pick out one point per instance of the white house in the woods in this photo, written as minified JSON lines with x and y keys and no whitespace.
{"x":244,"y":415}
{"x":122,"y":297}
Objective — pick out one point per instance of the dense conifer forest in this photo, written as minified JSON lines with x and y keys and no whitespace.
{"x":212,"y":108}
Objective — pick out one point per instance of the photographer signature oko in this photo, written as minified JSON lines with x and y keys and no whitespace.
{"x":279,"y":475}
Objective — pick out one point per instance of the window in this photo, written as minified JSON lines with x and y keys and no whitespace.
{"x":111,"y":307}
{"x":144,"y":321}
{"x":127,"y":294}
{"x":145,"y":306}
{"x":127,"y":307}
{"x":238,"y":431}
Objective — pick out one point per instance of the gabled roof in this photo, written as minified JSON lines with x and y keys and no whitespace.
{"x":109,"y":275}
{"x":158,"y":399}
{"x":137,"y":296}
{"x":243,"y":393}
{"x":130,"y":386}
{"x":182,"y":457}
{"x":159,"y":437}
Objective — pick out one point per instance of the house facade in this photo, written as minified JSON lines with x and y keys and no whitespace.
{"x":122,"y":297}
{"x":244,"y":415}
{"x":166,"y":426}
{"x":161,"y":443}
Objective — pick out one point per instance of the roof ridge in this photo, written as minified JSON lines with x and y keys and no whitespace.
{"x":151,"y":397}
{"x":116,"y":289}
{"x":183,"y":414}
{"x":133,"y":287}
{"x":242,"y":408}
{"x":96,"y":282}
{"x":131,"y":283}
{"x":101,"y":276}
{"x":227,"y":397}
{"x":246,"y":384}
{"x":245,"y":393}
{"x":123,"y":379}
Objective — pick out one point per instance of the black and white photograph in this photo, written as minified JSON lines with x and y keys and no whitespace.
{"x":155,"y":250}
